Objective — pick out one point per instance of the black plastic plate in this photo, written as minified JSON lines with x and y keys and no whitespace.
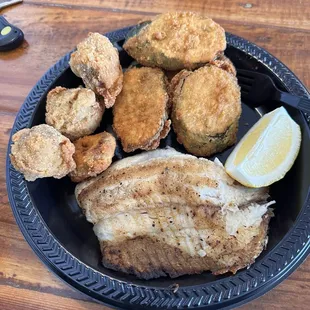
{"x":54,"y":226}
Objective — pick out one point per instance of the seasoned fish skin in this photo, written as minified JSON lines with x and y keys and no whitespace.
{"x":151,"y":257}
{"x":206,"y":107}
{"x":140,"y":113}
{"x":174,"y":41}
{"x":166,"y":213}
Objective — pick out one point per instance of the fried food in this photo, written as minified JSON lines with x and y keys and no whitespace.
{"x":224,"y":63}
{"x":175,"y":41}
{"x":96,"y":61}
{"x":73,"y":112}
{"x":41,"y":152}
{"x":166,"y":213}
{"x":206,"y":107}
{"x":141,"y":110}
{"x":93,"y":154}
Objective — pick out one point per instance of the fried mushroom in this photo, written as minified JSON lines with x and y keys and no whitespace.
{"x":73,"y":112}
{"x":40,"y":152}
{"x":93,"y":154}
{"x":96,"y":61}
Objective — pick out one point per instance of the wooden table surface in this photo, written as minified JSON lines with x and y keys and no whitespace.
{"x":52,"y":28}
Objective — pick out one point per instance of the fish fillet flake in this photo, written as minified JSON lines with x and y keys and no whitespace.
{"x":164,"y":212}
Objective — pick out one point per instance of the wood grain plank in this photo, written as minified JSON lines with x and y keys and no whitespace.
{"x":6,"y":121}
{"x":279,"y":13}
{"x":24,"y":299}
{"x":28,"y":270}
{"x":53,"y":31}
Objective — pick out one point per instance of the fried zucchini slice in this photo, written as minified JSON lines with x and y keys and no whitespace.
{"x":175,"y":41}
{"x":206,"y":107}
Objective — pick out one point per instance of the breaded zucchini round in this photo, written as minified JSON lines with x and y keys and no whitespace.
{"x":206,"y":107}
{"x":175,"y":41}
{"x":141,"y":109}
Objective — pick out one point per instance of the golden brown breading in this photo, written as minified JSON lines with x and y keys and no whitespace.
{"x":96,"y":61}
{"x":175,"y":41}
{"x":42,"y":151}
{"x":224,"y":63}
{"x":73,"y":112}
{"x":141,"y":110}
{"x":93,"y":154}
{"x":206,"y":107}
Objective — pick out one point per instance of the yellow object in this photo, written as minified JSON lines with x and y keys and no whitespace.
{"x":6,"y":30}
{"x":267,"y":152}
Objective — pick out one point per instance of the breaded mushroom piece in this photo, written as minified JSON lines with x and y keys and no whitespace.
{"x":96,"y":61}
{"x":206,"y":107}
{"x":178,"y":40}
{"x":93,"y":154}
{"x":41,"y":152}
{"x":73,"y":112}
{"x":141,"y":110}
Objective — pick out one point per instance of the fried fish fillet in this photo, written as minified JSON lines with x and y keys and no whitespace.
{"x":73,"y":112}
{"x":206,"y":106}
{"x":41,"y":152}
{"x":93,"y":154}
{"x":175,"y":41}
{"x":96,"y":61}
{"x":166,"y":213}
{"x":140,"y":113}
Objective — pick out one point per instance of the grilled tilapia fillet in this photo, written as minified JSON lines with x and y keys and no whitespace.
{"x":164,"y":212}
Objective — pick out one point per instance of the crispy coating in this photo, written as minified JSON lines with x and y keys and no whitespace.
{"x":42,"y":151}
{"x":93,"y":154}
{"x":141,"y":110}
{"x":73,"y":112}
{"x":96,"y":61}
{"x":175,"y":41}
{"x":206,"y":107}
{"x":224,"y":63}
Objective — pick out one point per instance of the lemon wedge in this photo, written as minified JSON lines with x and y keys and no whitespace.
{"x":267,"y":152}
